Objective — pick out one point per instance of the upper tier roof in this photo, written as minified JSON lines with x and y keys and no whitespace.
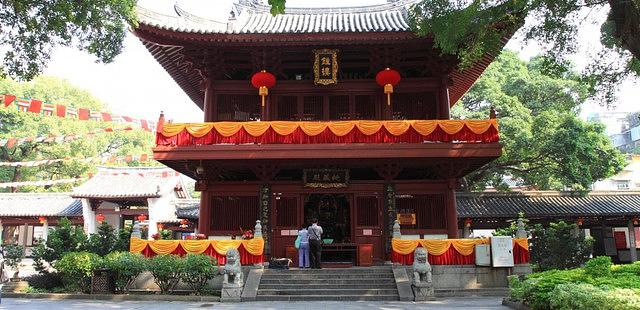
{"x":252,"y":17}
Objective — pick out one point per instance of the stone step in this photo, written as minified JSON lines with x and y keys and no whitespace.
{"x":327,"y":276}
{"x":326,"y":281}
{"x":332,"y":270}
{"x":327,"y":292}
{"x":393,"y":297}
{"x":314,"y":286}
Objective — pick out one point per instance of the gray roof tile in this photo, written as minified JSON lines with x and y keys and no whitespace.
{"x":255,"y":18}
{"x":116,"y":182}
{"x":39,"y":204}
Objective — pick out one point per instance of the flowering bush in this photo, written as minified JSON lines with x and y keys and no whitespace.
{"x":156,"y":236}
{"x":201,"y":236}
{"x":247,"y":235}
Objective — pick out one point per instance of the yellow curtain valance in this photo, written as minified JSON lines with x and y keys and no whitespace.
{"x":438,"y":247}
{"x":253,"y":246}
{"x":338,"y":128}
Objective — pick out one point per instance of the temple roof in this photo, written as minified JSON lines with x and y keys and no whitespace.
{"x":39,"y":204}
{"x":129,"y":182}
{"x":547,"y":204}
{"x":252,"y":17}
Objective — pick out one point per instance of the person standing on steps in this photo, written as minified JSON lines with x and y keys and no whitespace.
{"x":315,"y":243}
{"x":303,"y":247}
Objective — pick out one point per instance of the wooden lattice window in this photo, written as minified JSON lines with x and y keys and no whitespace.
{"x":339,"y":107}
{"x":429,"y":210}
{"x":313,"y":108}
{"x":286,"y":209}
{"x":414,"y":106}
{"x":367,"y":209}
{"x":287,"y":107}
{"x":230,"y":213}
{"x":238,"y":107}
{"x":365,"y":107}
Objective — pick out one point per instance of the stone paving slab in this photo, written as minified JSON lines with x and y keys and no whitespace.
{"x":467,"y":303}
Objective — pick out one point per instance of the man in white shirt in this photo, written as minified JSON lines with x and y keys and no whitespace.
{"x":315,"y":243}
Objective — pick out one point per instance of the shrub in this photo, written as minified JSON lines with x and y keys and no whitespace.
{"x":598,"y":267}
{"x":166,"y":270}
{"x":122,"y":242}
{"x":166,"y":234}
{"x":76,"y":269}
{"x":125,"y":267}
{"x":45,"y":281}
{"x":13,"y":255}
{"x":586,"y":296}
{"x":199,"y":269}
{"x":627,"y":269}
{"x":63,"y":239}
{"x":559,"y":246}
{"x":102,"y":242}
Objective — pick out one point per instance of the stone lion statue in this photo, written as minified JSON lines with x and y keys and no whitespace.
{"x":421,"y":267}
{"x":232,"y":270}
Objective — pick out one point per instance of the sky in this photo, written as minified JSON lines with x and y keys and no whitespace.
{"x":136,"y":85}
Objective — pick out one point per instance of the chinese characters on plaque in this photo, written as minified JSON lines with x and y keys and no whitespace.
{"x":406,"y":218}
{"x":325,"y":178}
{"x":325,"y":67}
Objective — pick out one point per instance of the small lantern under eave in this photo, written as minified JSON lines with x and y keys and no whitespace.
{"x":388,"y":78}
{"x":42,"y":219}
{"x":468,"y":222}
{"x":100,"y":218}
{"x":580,"y":221}
{"x":142,"y":217}
{"x":184,"y":223}
{"x":635,"y":220}
{"x":160,"y":226}
{"x":263,"y":80}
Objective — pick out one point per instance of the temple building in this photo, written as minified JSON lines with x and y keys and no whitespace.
{"x":340,"y":114}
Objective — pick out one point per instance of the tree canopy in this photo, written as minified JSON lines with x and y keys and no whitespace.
{"x":31,"y":29}
{"x":18,"y":124}
{"x":546,"y":145}
{"x":469,"y":29}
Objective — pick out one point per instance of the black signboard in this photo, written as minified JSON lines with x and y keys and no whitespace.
{"x":325,"y":178}
{"x":325,"y":67}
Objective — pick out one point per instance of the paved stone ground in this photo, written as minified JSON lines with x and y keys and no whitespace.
{"x":448,"y":303}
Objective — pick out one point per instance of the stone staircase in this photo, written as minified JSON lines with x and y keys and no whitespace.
{"x":347,"y":284}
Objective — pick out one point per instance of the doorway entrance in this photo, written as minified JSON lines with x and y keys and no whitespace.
{"x":333,"y":214}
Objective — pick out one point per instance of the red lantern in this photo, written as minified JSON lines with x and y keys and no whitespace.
{"x":580,"y":221}
{"x":100,"y":218}
{"x":635,"y":220}
{"x":142,"y":217}
{"x":42,"y":219}
{"x":467,"y":222}
{"x":263,"y":80}
{"x":160,"y":226}
{"x":388,"y":78}
{"x":184,"y":223}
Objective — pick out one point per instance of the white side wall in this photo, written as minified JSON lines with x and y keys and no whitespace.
{"x":89,"y":217}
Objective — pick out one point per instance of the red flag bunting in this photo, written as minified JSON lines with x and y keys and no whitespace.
{"x":8,"y":100}
{"x":83,"y":114}
{"x":35,"y":106}
{"x":106,"y":117}
{"x":61,"y":110}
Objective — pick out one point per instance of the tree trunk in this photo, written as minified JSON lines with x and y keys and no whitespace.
{"x":625,"y":14}
{"x":16,"y":178}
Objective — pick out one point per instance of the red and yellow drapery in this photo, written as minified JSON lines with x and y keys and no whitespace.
{"x":360,"y":131}
{"x":451,"y":251}
{"x":251,"y":251}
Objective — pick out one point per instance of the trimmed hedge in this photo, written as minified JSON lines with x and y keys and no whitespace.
{"x":576,"y":288}
{"x":76,"y":269}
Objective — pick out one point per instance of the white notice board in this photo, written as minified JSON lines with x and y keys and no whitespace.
{"x":501,"y":251}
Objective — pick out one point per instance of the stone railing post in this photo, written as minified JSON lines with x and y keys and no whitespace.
{"x":257,"y":232}
{"x":396,"y":230}
{"x":521,"y":232}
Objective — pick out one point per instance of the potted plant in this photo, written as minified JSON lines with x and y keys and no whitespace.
{"x":13,"y":255}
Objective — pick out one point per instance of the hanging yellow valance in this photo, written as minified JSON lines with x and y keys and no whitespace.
{"x":338,"y":128}
{"x":438,"y":247}
{"x":253,"y":246}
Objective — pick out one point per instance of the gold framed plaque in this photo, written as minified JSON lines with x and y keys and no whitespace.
{"x":325,"y":67}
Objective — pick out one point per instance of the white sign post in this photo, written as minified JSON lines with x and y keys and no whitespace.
{"x":502,"y":251}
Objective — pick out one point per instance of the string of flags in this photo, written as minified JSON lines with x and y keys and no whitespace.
{"x":12,"y":142}
{"x":102,"y":160}
{"x":59,"y":110}
{"x":40,"y":183}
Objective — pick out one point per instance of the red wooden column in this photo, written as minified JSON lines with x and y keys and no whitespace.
{"x":443,"y":100}
{"x":452,"y":213}
{"x":204,"y":221}
{"x":209,"y":104}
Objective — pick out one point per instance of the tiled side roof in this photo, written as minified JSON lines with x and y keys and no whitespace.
{"x":255,"y":18}
{"x":547,"y":204}
{"x":39,"y":204}
{"x":127,"y":182}
{"x":188,"y":210}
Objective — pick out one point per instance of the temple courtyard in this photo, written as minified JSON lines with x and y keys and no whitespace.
{"x":471,"y":302}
